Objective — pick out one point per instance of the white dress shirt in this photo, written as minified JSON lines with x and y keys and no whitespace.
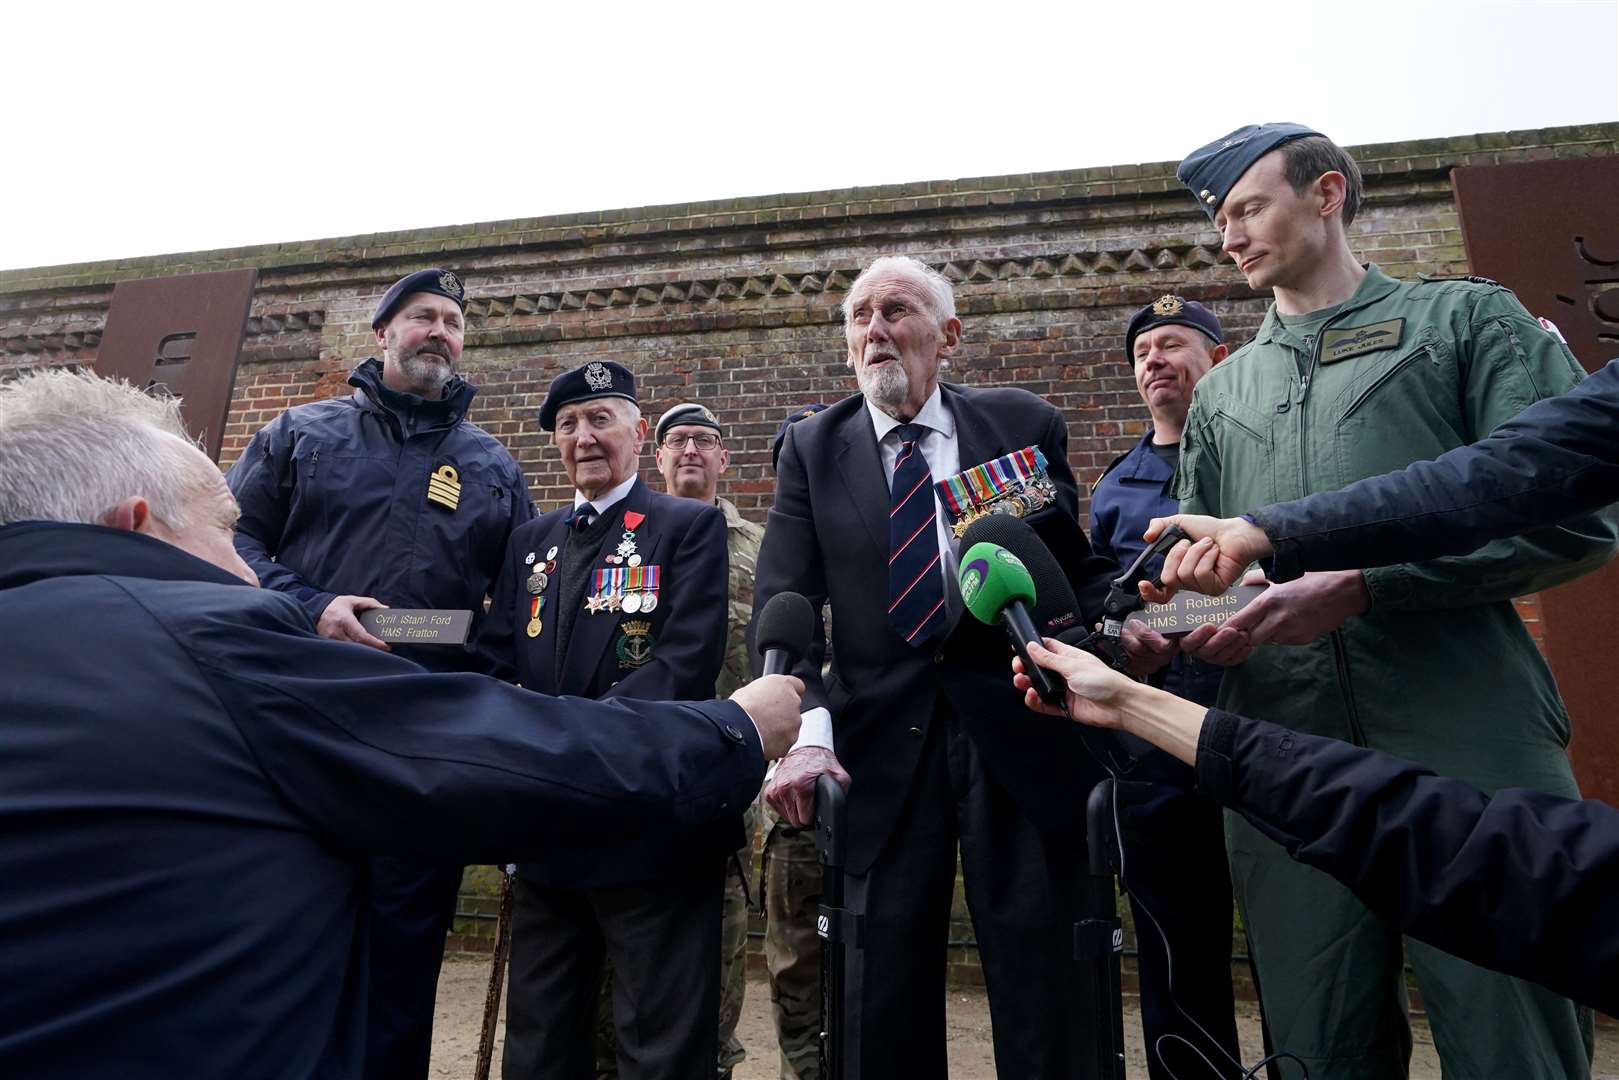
{"x":943,"y":454}
{"x":603,"y":503}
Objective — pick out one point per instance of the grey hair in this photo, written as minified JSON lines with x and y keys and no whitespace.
{"x":73,"y":446}
{"x":935,"y":284}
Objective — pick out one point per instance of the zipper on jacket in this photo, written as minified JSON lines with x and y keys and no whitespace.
{"x":1340,"y":655}
{"x":314,"y":459}
{"x":1304,"y":394}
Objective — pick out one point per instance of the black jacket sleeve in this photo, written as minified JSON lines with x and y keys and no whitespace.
{"x":1555,"y":460}
{"x":1522,"y":882}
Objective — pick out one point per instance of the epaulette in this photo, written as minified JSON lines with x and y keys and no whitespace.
{"x":1474,"y":278}
{"x":1114,"y":464}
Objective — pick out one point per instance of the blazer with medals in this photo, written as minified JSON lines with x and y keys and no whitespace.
{"x":827,"y":538}
{"x":673,"y":652}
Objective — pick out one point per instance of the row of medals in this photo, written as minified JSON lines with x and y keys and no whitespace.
{"x":536,"y":583}
{"x":633,"y":602}
{"x":1026,"y":498}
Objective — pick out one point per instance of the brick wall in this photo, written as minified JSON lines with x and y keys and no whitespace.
{"x":735,"y":303}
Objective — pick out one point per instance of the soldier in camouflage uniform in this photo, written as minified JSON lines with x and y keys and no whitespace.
{"x":691,"y":456}
{"x":791,"y":895}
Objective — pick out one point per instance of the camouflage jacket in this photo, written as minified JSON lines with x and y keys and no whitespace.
{"x":742,"y":547}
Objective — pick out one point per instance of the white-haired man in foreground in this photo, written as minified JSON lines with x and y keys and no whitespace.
{"x":191,"y":777}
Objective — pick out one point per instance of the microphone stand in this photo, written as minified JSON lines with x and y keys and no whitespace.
{"x":842,"y":944}
{"x":1099,"y":939}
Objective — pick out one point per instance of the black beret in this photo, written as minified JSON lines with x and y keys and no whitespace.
{"x":781,"y":432}
{"x":597,"y":379}
{"x":686,"y":413}
{"x":1211,"y":171}
{"x":1170,"y":309}
{"x":442,"y":282}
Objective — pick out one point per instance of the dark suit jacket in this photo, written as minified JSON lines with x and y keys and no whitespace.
{"x":191,"y":780}
{"x":827,"y":538}
{"x":686,"y":630}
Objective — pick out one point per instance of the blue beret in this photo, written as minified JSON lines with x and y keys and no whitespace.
{"x":1170,"y":309}
{"x":781,"y":432}
{"x":1211,"y":171}
{"x":597,"y":379}
{"x":687,"y":413}
{"x":442,"y":282}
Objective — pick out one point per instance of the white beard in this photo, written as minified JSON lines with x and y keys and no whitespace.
{"x":885,"y":386}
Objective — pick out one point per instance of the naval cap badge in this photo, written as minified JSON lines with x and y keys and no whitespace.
{"x":597,"y":377}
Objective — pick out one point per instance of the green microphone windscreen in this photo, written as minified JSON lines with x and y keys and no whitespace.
{"x":990,"y":578}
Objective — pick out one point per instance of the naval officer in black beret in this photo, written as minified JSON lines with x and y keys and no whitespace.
{"x":622,"y":593}
{"x":390,"y":497}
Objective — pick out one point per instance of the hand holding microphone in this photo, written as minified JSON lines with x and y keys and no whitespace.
{"x":773,"y":700}
{"x":996,"y":588}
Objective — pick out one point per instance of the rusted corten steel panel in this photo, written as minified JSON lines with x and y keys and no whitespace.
{"x":184,"y":334}
{"x":1549,"y":231}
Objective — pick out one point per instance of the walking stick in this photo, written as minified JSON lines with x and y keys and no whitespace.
{"x":497,"y":974}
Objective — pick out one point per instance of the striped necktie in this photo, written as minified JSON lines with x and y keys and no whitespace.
{"x":915,"y":589}
{"x":582,"y":516}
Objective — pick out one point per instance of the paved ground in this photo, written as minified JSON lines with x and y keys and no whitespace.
{"x":463,"y":985}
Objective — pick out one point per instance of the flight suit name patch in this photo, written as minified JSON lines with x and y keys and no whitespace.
{"x":1358,"y":340}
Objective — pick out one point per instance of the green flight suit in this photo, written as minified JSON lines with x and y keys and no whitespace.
{"x":1439,"y":670}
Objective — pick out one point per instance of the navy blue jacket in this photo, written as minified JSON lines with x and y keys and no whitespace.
{"x":673,"y":653}
{"x":1521,"y":881}
{"x":1132,"y":491}
{"x":1555,"y":460}
{"x":334,"y":501}
{"x":827,"y":539}
{"x":191,"y":778}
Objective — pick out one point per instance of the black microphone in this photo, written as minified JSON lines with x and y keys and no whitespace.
{"x":1056,"y":614}
{"x":786,"y":624}
{"x":1056,"y":609}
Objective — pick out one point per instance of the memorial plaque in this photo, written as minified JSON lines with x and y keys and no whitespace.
{"x":418,"y":626}
{"x":1186,"y":611}
{"x":183,"y":335}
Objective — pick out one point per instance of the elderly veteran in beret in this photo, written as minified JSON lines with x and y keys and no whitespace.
{"x":389,"y":497}
{"x":691,"y":457}
{"x":1353,"y":374}
{"x":620,"y":594}
{"x":1176,"y":851}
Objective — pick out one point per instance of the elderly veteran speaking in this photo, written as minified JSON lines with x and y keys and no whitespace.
{"x":940,"y":753}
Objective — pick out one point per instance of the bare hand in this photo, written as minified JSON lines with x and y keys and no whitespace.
{"x":340,"y":621}
{"x":1147,"y":648}
{"x":791,"y":791}
{"x":1296,"y":612}
{"x":1092,"y":685}
{"x":772,"y":703}
{"x":1211,"y":561}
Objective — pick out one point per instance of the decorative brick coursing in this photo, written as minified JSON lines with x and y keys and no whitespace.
{"x":735,"y":301}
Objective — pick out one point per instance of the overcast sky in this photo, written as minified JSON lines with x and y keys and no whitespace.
{"x":139,"y":129}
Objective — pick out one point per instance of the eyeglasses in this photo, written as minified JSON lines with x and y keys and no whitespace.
{"x":705,"y":440}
